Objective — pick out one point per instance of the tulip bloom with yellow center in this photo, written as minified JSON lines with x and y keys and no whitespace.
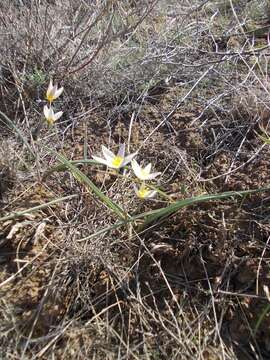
{"x":143,"y":173}
{"x":53,"y":92}
{"x":50,"y":116}
{"x":114,"y":161}
{"x":144,"y":192}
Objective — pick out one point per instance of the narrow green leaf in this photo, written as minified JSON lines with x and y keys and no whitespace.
{"x":80,"y":176}
{"x":264,"y":313}
{"x":155,"y":215}
{"x":62,"y":167}
{"x":15,"y":215}
{"x":11,"y":125}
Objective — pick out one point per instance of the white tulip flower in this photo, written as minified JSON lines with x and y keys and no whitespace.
{"x":50,"y":116}
{"x":52,"y":92}
{"x":143,"y":173}
{"x":144,"y":192}
{"x":114,"y":161}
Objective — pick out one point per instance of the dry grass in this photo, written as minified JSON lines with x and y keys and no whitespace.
{"x":186,"y":83}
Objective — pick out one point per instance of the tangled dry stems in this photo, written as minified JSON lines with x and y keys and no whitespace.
{"x":187,"y":84}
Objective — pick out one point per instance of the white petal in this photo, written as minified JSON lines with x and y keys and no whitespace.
{"x":121,"y":151}
{"x":51,"y":90}
{"x":51,"y":112}
{"x":136,"y":168}
{"x":128,"y":159}
{"x":147,"y":169}
{"x":136,"y":190}
{"x":152,"y":176}
{"x":108,"y":154}
{"x":58,"y":92}
{"x":58,"y":115}
{"x":50,"y":87}
{"x":151,"y":194}
{"x":54,"y":89}
{"x":46,"y":111}
{"x":100,"y":160}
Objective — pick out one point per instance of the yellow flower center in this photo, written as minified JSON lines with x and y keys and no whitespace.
{"x":50,"y":120}
{"x":143,"y":192}
{"x":50,"y":97}
{"x":117,"y":161}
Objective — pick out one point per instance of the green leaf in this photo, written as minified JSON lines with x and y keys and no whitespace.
{"x":11,"y":125}
{"x":62,"y":167}
{"x":155,"y":215}
{"x":81,"y":177}
{"x":15,"y":215}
